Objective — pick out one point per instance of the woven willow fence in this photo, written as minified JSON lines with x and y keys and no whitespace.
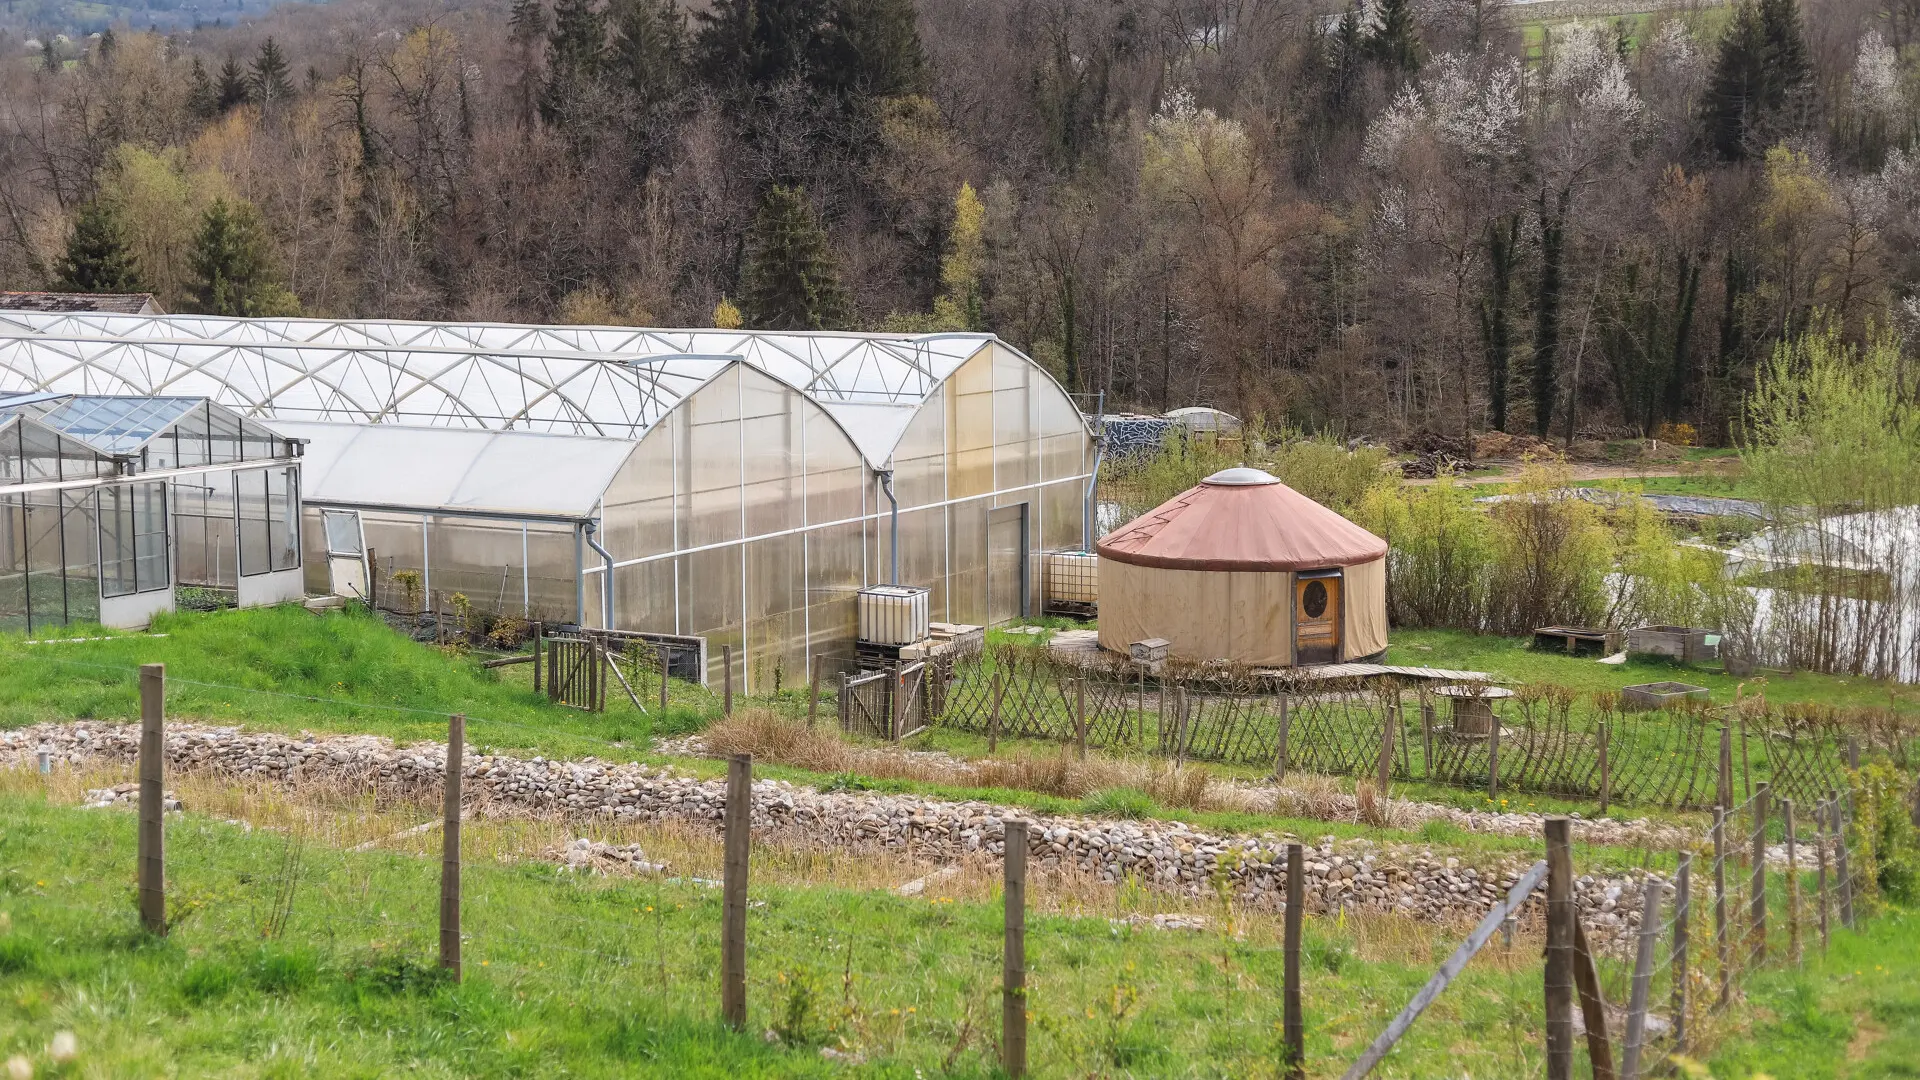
{"x":1549,"y":739}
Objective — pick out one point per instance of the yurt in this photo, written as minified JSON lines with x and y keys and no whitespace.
{"x":1243,"y":568}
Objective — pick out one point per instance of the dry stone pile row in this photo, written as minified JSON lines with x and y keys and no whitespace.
{"x":1401,"y":879}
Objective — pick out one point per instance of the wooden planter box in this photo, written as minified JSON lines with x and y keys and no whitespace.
{"x":1656,"y":695}
{"x":1577,"y":640}
{"x":1685,"y":643}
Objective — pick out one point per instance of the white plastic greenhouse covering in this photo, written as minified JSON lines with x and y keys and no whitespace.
{"x":871,"y":383}
{"x":749,"y":510}
{"x":515,"y":475}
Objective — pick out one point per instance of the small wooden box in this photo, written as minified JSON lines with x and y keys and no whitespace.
{"x":1151,"y":651}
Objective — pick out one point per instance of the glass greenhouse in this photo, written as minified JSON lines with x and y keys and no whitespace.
{"x":732,"y":485}
{"x":108,"y":502}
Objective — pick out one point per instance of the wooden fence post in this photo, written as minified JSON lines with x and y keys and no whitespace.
{"x":1179,"y":733}
{"x":813,"y":690}
{"x":153,"y":771}
{"x":1837,"y":821}
{"x":1723,"y":795}
{"x":1593,"y":1008}
{"x":1642,"y":980}
{"x":993,"y":717}
{"x":666,"y":670}
{"x":1723,"y":948}
{"x":1385,"y":767}
{"x":1013,"y":964}
{"x":450,"y":848}
{"x":537,"y":649}
{"x":1294,"y":1025}
{"x":1493,"y":759}
{"x":1820,"y":854}
{"x":1561,"y":916}
{"x":1793,"y":885}
{"x":553,"y":670}
{"x":1603,"y":737}
{"x":733,"y":926}
{"x":1758,"y":927}
{"x":1280,"y":752}
{"x":1426,"y":737}
{"x":1080,"y":718}
{"x":897,"y":711}
{"x":726,"y":681}
{"x":1853,"y":753}
{"x":1682,"y":938}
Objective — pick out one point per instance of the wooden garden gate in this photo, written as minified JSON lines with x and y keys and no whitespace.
{"x":888,"y":703}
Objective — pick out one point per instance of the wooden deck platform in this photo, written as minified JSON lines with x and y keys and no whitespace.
{"x":1068,"y":644}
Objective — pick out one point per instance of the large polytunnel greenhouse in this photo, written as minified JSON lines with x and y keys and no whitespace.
{"x":736,"y":486}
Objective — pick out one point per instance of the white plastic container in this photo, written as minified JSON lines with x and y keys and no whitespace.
{"x":893,"y":614}
{"x":1072,"y":577}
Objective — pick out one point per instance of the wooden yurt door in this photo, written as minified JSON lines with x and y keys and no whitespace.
{"x":1316,"y":617}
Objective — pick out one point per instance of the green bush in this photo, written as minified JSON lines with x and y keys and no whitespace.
{"x":1889,"y":859}
{"x":1440,"y":553}
{"x":1551,"y":555}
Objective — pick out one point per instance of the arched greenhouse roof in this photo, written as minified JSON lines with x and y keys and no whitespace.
{"x":454,"y":385}
{"x":872,"y":384}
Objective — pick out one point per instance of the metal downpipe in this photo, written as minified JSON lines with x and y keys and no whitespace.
{"x":893,"y":566}
{"x":1093,"y":481}
{"x":606,"y":586}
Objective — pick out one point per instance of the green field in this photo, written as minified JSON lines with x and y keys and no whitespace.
{"x":1513,"y":659}
{"x":606,"y":977}
{"x":293,"y":955}
{"x":591,"y":976}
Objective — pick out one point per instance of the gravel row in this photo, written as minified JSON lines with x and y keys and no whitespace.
{"x":1404,"y":879}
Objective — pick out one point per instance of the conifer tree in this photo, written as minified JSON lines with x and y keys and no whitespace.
{"x":751,"y":44}
{"x":790,"y":281}
{"x":527,"y":22}
{"x":650,"y":49}
{"x":267,"y":77}
{"x":576,"y":53}
{"x":202,"y":100}
{"x":231,"y":91}
{"x":871,"y":49}
{"x":98,"y":258}
{"x":1395,"y":38}
{"x":231,"y":263}
{"x":1760,"y":79}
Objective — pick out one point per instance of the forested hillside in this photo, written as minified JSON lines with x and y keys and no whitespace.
{"x":1410,"y":217}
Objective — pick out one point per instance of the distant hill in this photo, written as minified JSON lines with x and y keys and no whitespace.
{"x":26,"y":18}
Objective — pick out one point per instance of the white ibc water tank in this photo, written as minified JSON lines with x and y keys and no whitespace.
{"x":893,"y":614}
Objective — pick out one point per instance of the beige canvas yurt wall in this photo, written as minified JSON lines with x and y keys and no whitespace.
{"x":1242,"y":616}
{"x":1365,"y":614}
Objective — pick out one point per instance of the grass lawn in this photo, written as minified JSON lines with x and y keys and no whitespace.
{"x":288,"y":669}
{"x":1514,"y":659}
{"x":589,"y":976}
{"x":1851,"y":1015}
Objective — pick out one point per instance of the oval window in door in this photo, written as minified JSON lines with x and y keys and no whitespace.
{"x":1313,"y":600}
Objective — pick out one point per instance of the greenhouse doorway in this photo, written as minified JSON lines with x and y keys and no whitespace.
{"x":1006,"y":563}
{"x":346,"y":554}
{"x":1316,"y":617}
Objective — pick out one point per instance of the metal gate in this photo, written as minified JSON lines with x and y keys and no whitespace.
{"x":889,"y":703}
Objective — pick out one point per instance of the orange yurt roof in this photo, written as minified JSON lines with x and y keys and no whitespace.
{"x":1241,"y":519}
